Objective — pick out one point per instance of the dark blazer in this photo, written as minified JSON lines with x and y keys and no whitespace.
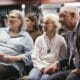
{"x":66,"y":60}
{"x":68,"y":39}
{"x":78,"y":38}
{"x":78,"y":43}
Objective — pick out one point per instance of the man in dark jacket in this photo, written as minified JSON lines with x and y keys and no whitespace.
{"x":69,"y":18}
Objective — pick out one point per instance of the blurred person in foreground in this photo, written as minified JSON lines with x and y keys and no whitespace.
{"x":15,"y":47}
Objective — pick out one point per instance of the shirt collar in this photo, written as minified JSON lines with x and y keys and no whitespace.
{"x":74,"y":30}
{"x":45,"y":36}
{"x":21,"y":33}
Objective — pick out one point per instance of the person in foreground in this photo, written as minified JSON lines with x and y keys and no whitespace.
{"x":49,"y":48}
{"x":69,"y":18}
{"x":15,"y":47}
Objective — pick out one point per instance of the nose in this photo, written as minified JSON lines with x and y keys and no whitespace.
{"x":10,"y":21}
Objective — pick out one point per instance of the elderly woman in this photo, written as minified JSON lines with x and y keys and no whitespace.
{"x":15,"y":47}
{"x":48,"y":50}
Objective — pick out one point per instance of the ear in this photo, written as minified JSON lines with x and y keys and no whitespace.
{"x":73,"y":14}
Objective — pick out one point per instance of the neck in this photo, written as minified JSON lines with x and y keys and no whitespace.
{"x":30,"y":29}
{"x":50,"y":35}
{"x":14,"y":30}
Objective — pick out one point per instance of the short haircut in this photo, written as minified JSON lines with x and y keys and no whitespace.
{"x":69,"y":9}
{"x":53,"y":18}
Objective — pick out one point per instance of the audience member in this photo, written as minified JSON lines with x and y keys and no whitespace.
{"x":69,"y":18}
{"x":15,"y":47}
{"x":32,"y":26}
{"x":48,"y":50}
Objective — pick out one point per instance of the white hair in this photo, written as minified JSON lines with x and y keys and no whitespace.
{"x":70,"y":9}
{"x":53,"y":18}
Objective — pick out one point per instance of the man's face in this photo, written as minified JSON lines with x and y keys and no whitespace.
{"x":66,"y":19}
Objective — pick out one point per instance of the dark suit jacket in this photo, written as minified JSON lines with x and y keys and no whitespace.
{"x":78,"y":43}
{"x":68,"y":39}
{"x":78,"y":38}
{"x":66,"y":60}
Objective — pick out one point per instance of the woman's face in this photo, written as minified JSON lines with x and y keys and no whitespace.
{"x":14,"y":20}
{"x":29,"y":23}
{"x":49,"y":25}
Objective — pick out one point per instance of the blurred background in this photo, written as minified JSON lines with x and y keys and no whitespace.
{"x":38,"y":7}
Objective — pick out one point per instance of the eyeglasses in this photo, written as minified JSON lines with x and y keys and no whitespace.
{"x":13,"y":17}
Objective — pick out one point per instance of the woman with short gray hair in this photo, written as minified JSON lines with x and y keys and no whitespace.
{"x":49,"y":48}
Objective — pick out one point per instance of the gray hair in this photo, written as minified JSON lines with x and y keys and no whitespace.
{"x":70,"y":9}
{"x":20,"y":15}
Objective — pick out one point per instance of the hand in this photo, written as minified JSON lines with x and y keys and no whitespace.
{"x":76,"y":71}
{"x":55,"y":65}
{"x":1,"y":55}
{"x":52,"y":68}
{"x":42,"y":70}
{"x":48,"y":69}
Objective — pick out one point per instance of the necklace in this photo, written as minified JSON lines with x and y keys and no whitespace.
{"x":49,"y":46}
{"x":48,"y":51}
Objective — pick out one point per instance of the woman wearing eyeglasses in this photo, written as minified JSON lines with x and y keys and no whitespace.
{"x":15,"y":47}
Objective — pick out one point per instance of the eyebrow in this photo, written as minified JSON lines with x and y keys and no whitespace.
{"x":13,"y":17}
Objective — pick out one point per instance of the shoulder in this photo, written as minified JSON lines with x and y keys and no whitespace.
{"x":26,"y":35}
{"x":60,"y":38}
{"x":3,"y":29}
{"x":40,"y":38}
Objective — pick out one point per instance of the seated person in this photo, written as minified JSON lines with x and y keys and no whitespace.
{"x":32,"y":26}
{"x":69,"y":18}
{"x":48,"y":50}
{"x":15,"y":47}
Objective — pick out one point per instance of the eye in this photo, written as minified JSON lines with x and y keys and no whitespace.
{"x":27,"y":20}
